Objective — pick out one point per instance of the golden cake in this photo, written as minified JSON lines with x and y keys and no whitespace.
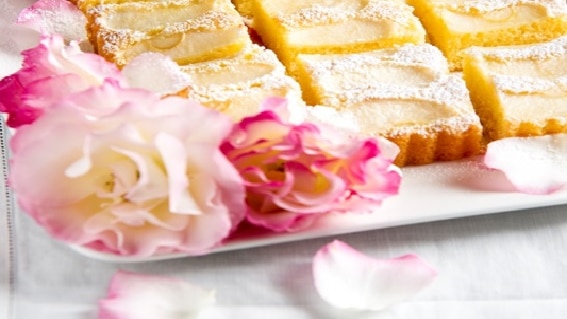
{"x":405,"y":94}
{"x":454,"y":25}
{"x":237,"y":86}
{"x":519,"y":90}
{"x":244,"y":7}
{"x":322,"y":27}
{"x":186,"y":30}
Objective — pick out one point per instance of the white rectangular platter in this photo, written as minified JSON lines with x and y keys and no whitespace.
{"x":433,"y":192}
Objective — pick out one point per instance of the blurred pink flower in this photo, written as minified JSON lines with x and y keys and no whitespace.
{"x":296,"y":173}
{"x":50,"y":72}
{"x":146,"y":179}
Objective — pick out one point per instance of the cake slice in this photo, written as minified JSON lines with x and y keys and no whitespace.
{"x":405,"y":94}
{"x":325,"y":77}
{"x":325,"y":27}
{"x":237,"y":86}
{"x":188,"y":31}
{"x":519,"y":90}
{"x":454,"y":25}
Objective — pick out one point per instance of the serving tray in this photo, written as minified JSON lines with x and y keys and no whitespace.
{"x":434,"y":192}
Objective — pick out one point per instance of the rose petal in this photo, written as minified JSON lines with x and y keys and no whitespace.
{"x":157,"y":73}
{"x":290,"y":112}
{"x":534,"y":165}
{"x":55,"y":17}
{"x":175,"y":161}
{"x":134,"y":296}
{"x":347,"y":279}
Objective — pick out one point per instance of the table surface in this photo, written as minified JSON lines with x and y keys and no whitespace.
{"x":507,"y":265}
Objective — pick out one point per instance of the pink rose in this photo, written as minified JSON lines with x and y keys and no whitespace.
{"x":146,"y":179}
{"x":49,"y":73}
{"x":296,"y":173}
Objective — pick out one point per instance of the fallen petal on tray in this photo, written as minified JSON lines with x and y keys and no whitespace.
{"x":348,"y":279}
{"x":534,"y":165}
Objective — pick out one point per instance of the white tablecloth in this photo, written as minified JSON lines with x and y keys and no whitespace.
{"x":508,"y":265}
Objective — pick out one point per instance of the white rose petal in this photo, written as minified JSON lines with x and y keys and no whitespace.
{"x":347,"y":279}
{"x":534,"y":165}
{"x":134,"y":296}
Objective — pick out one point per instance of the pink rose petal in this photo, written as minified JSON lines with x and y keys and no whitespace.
{"x":55,"y":17}
{"x":173,"y":153}
{"x":134,"y":296}
{"x":534,"y":165}
{"x":51,"y":72}
{"x":347,"y":279}
{"x":290,"y":112}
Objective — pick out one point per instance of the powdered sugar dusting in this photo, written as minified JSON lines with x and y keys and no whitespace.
{"x":212,"y":20}
{"x":453,"y":125}
{"x":374,"y":10}
{"x":521,"y":84}
{"x":537,"y":52}
{"x":225,"y":92}
{"x":552,"y":7}
{"x":424,"y":55}
{"x":449,"y":89}
{"x":274,"y":77}
{"x":528,"y":84}
{"x":115,"y":40}
{"x":254,"y":54}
